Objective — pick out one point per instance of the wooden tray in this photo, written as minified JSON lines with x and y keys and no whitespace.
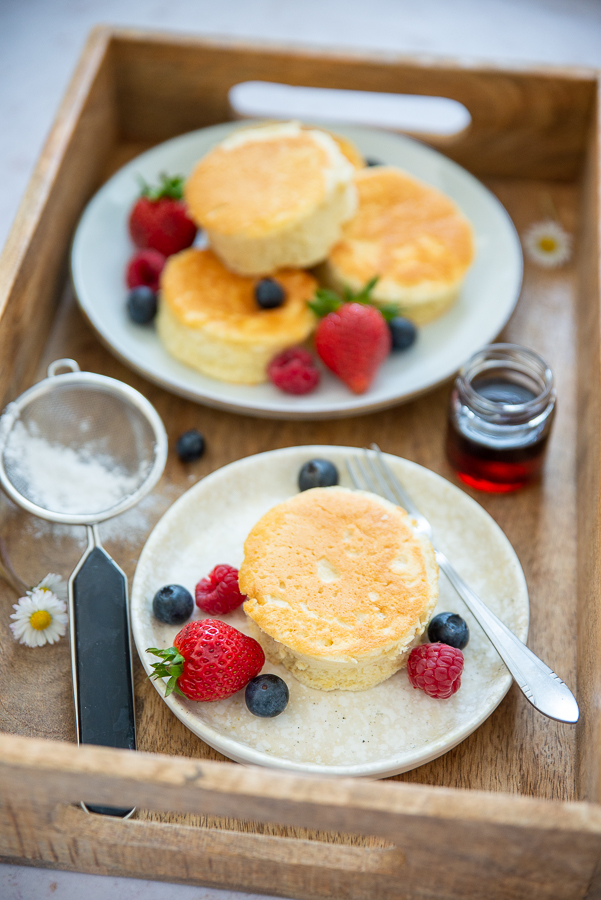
{"x":523,"y":829}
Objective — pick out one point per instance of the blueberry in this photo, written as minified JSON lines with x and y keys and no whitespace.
{"x":142,"y":305}
{"x":173,"y":604}
{"x":317,"y":473}
{"x":269,"y":294}
{"x":190,"y":445}
{"x":266,"y":696}
{"x":403,"y":333}
{"x":370,"y":161}
{"x":449,"y":628}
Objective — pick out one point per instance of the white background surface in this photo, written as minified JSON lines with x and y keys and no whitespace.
{"x":40,"y":41}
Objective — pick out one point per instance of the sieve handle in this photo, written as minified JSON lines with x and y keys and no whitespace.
{"x":101,"y":654}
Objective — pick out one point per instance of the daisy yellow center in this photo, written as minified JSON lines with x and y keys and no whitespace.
{"x":548,"y":244}
{"x":40,"y":619}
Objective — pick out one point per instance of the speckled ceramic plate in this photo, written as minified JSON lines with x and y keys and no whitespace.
{"x":102,"y":247}
{"x":388,"y":729}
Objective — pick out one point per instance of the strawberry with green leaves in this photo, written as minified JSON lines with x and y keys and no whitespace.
{"x":159,"y":220}
{"x":209,"y":660}
{"x":353,"y":338}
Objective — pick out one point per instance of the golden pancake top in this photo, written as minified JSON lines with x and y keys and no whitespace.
{"x":338,"y":574}
{"x":201,"y":293}
{"x":404,"y":231}
{"x":260,"y":180}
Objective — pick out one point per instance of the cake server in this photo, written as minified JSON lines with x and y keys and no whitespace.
{"x":541,"y":686}
{"x":56,"y":441}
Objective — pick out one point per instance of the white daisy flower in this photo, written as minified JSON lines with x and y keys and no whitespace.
{"x":54,"y":584}
{"x":548,"y":244}
{"x":40,"y":618}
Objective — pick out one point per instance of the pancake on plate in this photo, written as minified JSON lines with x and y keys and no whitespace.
{"x":412,"y":236}
{"x":209,"y":318}
{"x":347,"y":149}
{"x":340,"y":587}
{"x":272,"y":197}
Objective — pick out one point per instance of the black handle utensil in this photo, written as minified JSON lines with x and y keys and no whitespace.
{"x":108,"y":447}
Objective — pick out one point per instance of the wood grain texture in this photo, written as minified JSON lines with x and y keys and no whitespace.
{"x":589,"y":479}
{"x":544,"y":320}
{"x":32,"y":264}
{"x":488,"y":846}
{"x":525,"y":122}
{"x":132,"y":90}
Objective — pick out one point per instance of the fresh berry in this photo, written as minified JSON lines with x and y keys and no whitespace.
{"x":317,"y":473}
{"x":173,"y":604}
{"x":142,"y":305}
{"x":190,"y":445}
{"x":269,"y":293}
{"x":403,"y":333}
{"x":209,"y":660}
{"x":159,"y":220}
{"x":218,"y":593}
{"x":144,"y":268}
{"x":436,"y":669}
{"x":449,"y":628}
{"x":294,"y":371}
{"x":353,"y":342}
{"x":266,"y":696}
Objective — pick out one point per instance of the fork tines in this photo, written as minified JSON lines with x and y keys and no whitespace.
{"x":370,"y":472}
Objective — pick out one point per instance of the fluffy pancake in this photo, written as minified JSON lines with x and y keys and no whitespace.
{"x":348,"y":150}
{"x":339,"y":587}
{"x":412,"y":236}
{"x":273,"y":196}
{"x":209,"y":319}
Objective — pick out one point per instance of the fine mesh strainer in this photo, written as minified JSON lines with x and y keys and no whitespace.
{"x":79,"y":448}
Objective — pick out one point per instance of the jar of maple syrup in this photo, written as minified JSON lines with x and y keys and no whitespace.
{"x":500,"y":414}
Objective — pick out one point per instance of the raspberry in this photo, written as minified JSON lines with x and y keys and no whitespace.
{"x":435,"y":669}
{"x":294,"y":371}
{"x":218,"y":593}
{"x":144,"y":268}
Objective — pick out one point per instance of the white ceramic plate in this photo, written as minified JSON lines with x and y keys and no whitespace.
{"x":102,"y":247}
{"x":388,"y":729}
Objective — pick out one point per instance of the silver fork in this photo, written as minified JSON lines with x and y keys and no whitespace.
{"x":543,"y":688}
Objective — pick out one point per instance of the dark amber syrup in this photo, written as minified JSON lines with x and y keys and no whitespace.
{"x":489,"y":464}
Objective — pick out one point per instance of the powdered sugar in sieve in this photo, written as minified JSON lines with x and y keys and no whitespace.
{"x":67,"y":479}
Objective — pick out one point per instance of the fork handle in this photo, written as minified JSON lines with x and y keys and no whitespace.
{"x":542,"y":687}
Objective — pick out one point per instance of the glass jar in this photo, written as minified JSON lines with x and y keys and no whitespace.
{"x":500,"y":414}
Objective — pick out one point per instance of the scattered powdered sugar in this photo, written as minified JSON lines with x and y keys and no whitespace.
{"x":63,"y":479}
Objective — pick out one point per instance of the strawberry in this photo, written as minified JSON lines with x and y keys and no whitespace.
{"x":159,"y":220}
{"x":209,"y":660}
{"x":353,"y":341}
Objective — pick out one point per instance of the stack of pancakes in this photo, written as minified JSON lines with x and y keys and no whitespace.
{"x":274,"y":200}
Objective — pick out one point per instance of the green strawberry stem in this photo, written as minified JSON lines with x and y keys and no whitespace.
{"x":168,"y":187}
{"x":171,"y":667}
{"x":326,"y":301}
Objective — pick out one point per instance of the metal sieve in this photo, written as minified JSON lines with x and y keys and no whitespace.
{"x":79,"y":448}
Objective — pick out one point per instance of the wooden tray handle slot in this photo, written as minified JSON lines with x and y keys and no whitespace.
{"x":434,"y":118}
{"x":556,"y":847}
